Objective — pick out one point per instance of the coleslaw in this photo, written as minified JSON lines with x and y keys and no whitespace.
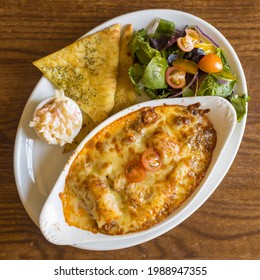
{"x":57,"y":120}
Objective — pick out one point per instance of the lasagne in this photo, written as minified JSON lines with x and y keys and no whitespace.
{"x":137,"y":170}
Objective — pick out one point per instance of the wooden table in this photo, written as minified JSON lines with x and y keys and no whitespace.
{"x":227,"y":226}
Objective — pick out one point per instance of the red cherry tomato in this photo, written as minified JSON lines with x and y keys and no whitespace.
{"x":151,"y":160}
{"x":134,"y":171}
{"x":188,"y":42}
{"x":175,"y":77}
{"x":211,"y":63}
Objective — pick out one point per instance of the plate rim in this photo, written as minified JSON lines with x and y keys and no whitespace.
{"x":240,"y":128}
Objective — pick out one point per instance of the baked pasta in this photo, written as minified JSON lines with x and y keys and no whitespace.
{"x":136,"y":171}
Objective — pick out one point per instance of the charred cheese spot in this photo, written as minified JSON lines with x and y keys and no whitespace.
{"x":97,"y":195}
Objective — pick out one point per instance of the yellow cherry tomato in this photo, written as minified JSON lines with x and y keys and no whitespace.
{"x":211,"y":63}
{"x":187,"y":42}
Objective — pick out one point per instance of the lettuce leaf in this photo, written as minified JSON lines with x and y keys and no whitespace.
{"x":158,"y":94}
{"x":140,"y":48}
{"x":154,"y":73}
{"x":221,"y":54}
{"x":239,"y":103}
{"x":135,"y":73}
{"x":164,"y":28}
{"x":212,"y":86}
{"x":138,"y":36}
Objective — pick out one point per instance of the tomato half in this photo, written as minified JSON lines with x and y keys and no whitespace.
{"x":193,"y":34}
{"x":175,"y":77}
{"x":151,"y":160}
{"x":188,"y":42}
{"x":211,"y":63}
{"x":134,"y":171}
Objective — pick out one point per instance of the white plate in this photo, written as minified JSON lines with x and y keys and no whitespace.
{"x":37,"y":165}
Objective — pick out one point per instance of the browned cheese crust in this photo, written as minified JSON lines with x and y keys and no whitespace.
{"x":98,"y":197}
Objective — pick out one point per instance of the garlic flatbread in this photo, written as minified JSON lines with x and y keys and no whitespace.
{"x":125,"y":95}
{"x":87,"y":71}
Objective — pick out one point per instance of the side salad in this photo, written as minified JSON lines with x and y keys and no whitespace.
{"x":173,"y":63}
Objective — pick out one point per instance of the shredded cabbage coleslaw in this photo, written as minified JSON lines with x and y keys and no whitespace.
{"x":58,"y":121}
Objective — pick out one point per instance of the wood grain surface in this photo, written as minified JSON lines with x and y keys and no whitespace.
{"x":227,"y":226}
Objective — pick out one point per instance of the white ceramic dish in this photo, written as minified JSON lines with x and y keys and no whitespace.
{"x":52,"y":223}
{"x":38,"y":165}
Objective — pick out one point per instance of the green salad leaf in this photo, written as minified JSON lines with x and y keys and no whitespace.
{"x":139,"y":47}
{"x":135,"y":73}
{"x":164,"y":28}
{"x":220,"y":53}
{"x":212,"y":86}
{"x":137,"y":37}
{"x":239,"y":103}
{"x":155,"y":94}
{"x":154,"y":73}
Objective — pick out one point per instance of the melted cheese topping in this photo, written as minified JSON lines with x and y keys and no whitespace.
{"x":97,"y":195}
